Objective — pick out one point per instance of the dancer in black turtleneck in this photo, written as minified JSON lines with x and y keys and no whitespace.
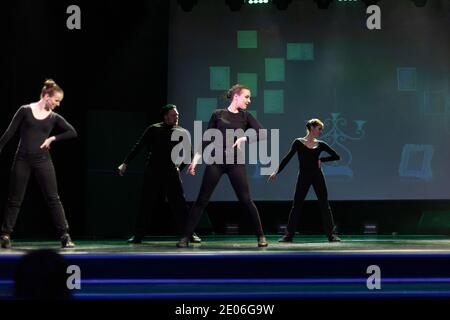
{"x":308,"y":150}
{"x":233,"y":118}
{"x":35,"y":122}
{"x":162,"y":175}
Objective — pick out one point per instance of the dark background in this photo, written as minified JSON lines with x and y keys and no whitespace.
{"x":102,"y":66}
{"x":117,"y":63}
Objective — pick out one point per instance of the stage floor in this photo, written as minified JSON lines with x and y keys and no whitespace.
{"x":247,"y":245}
{"x":233,"y":267}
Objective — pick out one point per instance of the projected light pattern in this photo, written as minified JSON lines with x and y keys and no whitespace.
{"x":423,"y":171}
{"x":300,"y":51}
{"x":219,"y":78}
{"x":250,"y":80}
{"x":247,"y":39}
{"x":407,"y":79}
{"x":292,"y":61}
{"x":275,"y":69}
{"x":335,"y":136}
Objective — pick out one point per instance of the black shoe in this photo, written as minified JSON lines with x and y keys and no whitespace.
{"x":135,"y":240}
{"x":262,"y":242}
{"x":5,"y":241}
{"x":195,"y":238}
{"x":66,"y":241}
{"x":183,"y":243}
{"x":286,"y":238}
{"x":334,"y":238}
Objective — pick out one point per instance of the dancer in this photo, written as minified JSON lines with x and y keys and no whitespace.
{"x":234,"y":117}
{"x":35,"y":121}
{"x":162,"y":175}
{"x":308,"y":150}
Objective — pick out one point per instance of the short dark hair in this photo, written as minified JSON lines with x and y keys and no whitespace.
{"x":167,"y":108}
{"x":313,"y":123}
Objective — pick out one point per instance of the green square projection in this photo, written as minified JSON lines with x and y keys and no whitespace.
{"x":247,"y":39}
{"x":300,"y":51}
{"x":250,"y":80}
{"x":273,"y":101}
{"x":274,"y":69}
{"x":205,"y":107}
{"x":219,"y":78}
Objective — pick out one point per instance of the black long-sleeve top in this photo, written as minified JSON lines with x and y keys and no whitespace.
{"x":33,"y":132}
{"x":157,"y":139}
{"x":308,"y":157}
{"x":223,"y":119}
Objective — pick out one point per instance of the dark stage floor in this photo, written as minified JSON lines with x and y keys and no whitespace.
{"x":247,"y":245}
{"x":233,"y":267}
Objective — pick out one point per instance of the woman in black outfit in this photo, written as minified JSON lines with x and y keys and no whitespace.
{"x":35,"y":122}
{"x":308,"y":150}
{"x":234,"y":117}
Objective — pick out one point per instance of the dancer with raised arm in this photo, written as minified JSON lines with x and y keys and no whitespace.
{"x":308,"y":150}
{"x":162,"y":176}
{"x":234,"y":117}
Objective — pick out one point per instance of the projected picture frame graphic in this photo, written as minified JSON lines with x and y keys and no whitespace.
{"x":425,"y":171}
{"x":436,"y":103}
{"x":407,"y":79}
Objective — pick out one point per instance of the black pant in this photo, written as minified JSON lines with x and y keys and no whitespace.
{"x":41,"y":165}
{"x":159,"y":183}
{"x":238,"y":178}
{"x":304,"y":181}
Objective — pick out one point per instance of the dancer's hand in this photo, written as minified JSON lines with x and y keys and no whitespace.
{"x":47,"y":142}
{"x":193,"y":164}
{"x":191,"y":169}
{"x":272,"y":177}
{"x":122,"y":168}
{"x":239,"y":142}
